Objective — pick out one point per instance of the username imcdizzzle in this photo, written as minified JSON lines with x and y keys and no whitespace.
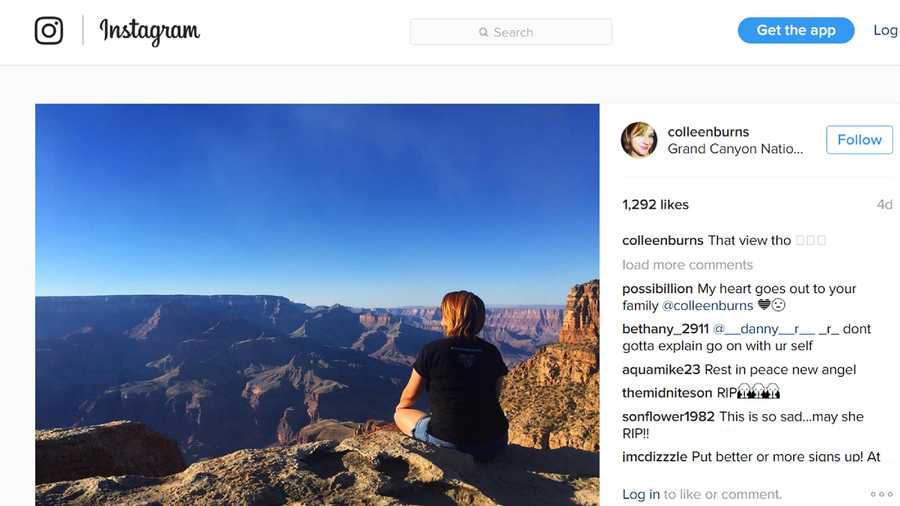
{"x":134,"y":29}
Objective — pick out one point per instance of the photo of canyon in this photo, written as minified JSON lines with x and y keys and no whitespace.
{"x":230,"y":298}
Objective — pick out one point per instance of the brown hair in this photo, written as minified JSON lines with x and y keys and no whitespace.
{"x":462,"y":314}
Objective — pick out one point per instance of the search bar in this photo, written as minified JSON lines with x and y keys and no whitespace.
{"x":510,"y":32}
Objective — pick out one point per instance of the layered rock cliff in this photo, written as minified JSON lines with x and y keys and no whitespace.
{"x":552,"y":399}
{"x":581,"y":318}
{"x":382,"y":468}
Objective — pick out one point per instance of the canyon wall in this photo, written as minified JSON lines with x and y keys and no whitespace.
{"x":552,"y":399}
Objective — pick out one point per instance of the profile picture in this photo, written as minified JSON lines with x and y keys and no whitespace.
{"x":639,"y":139}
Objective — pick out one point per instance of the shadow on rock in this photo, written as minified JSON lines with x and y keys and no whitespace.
{"x":525,"y":476}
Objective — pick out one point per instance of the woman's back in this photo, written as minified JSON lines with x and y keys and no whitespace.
{"x":461,"y":376}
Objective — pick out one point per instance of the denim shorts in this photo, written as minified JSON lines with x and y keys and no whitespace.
{"x":480,"y":451}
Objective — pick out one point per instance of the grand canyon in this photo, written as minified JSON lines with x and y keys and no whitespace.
{"x":219,"y":373}
{"x":250,"y":384}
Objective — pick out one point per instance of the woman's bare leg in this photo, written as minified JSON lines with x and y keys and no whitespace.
{"x":406,"y":419}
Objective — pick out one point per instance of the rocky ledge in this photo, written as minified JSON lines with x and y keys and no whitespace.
{"x":382,"y":468}
{"x":114,"y":448}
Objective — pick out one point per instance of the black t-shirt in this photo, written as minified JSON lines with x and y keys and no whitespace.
{"x":461,"y":379}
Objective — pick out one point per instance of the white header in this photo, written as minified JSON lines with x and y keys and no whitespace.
{"x":450,"y":33}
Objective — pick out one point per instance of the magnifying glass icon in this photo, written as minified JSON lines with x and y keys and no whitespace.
{"x":483,"y":31}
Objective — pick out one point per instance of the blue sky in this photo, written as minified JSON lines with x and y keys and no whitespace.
{"x":359,"y":205}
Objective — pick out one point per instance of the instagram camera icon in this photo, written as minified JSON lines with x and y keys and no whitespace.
{"x":48,"y":30}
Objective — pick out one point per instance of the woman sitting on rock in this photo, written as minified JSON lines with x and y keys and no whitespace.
{"x":462,"y":374}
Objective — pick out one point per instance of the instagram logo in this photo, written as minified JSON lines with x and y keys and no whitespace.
{"x":48,"y":30}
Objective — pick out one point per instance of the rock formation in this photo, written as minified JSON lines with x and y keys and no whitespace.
{"x":383,"y":468}
{"x":391,"y":340}
{"x":332,"y":430}
{"x":581,"y":319}
{"x":115,"y":448}
{"x":552,"y":399}
{"x":289,"y":425}
{"x":327,"y":430}
{"x":214,"y":397}
{"x":372,"y":320}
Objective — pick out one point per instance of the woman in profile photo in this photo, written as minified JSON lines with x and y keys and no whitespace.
{"x":639,"y":139}
{"x":462,"y":374}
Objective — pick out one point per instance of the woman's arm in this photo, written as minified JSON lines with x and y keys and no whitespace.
{"x":411,"y":392}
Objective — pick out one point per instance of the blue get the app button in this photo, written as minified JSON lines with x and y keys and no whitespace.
{"x":796,"y":30}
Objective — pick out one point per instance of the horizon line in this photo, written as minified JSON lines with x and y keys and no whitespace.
{"x":401,"y":306}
